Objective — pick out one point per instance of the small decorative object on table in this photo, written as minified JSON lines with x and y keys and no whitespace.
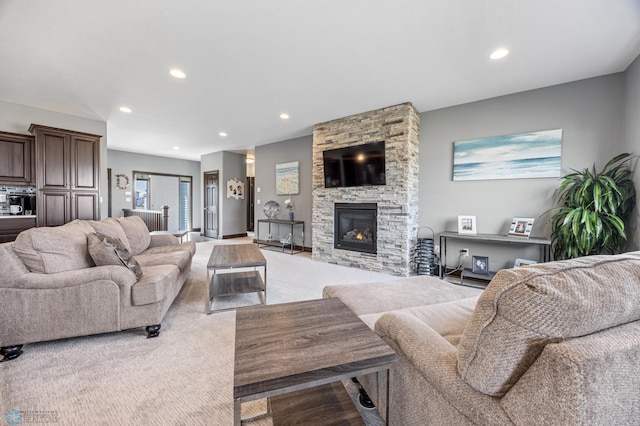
{"x":271,"y":209}
{"x":289,"y":205}
{"x":480,"y":265}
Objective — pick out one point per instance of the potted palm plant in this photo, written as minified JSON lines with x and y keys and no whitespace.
{"x":593,"y":207}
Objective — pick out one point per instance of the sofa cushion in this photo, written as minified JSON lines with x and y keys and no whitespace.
{"x":181,"y":259}
{"x":524,"y":309}
{"x":448,"y":319}
{"x":49,"y":250}
{"x":155,"y":284}
{"x":189,"y":246}
{"x":111,"y":228}
{"x":370,"y":298}
{"x":137,"y":233}
{"x":105,"y":250}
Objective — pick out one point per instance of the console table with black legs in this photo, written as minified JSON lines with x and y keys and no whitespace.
{"x":275,"y":238}
{"x":543,"y":243}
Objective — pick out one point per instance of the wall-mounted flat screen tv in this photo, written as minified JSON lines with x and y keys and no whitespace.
{"x":360,"y":165}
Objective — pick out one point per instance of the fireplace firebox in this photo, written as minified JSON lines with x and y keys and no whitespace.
{"x":356,"y":227}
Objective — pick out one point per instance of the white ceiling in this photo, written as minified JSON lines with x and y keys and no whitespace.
{"x":248,"y":61}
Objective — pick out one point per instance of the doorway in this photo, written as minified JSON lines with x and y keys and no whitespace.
{"x":211,"y":204}
{"x":154,"y":190}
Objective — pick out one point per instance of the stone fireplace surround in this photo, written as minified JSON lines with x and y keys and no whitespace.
{"x":397,"y":201}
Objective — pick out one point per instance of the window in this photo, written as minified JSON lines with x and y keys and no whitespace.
{"x":184,"y":202}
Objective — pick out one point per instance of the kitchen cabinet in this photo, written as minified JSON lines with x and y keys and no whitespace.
{"x":11,"y":226}
{"x":68,"y":175}
{"x":16,"y":159}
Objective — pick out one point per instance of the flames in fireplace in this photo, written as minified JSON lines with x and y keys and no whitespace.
{"x":357,"y":236}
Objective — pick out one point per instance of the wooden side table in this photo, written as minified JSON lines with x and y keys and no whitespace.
{"x":301,"y":347}
{"x":234,"y":256}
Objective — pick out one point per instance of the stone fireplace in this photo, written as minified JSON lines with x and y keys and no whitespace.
{"x":355,"y":227}
{"x":396,"y":203}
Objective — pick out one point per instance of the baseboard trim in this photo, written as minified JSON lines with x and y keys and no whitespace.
{"x":226,"y":237}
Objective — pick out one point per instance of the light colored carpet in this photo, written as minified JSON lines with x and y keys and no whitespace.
{"x":185,"y":376}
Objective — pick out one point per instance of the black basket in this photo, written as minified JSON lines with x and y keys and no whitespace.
{"x":425,"y":258}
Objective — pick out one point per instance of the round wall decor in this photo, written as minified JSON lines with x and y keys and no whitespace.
{"x":119,"y":184}
{"x":271,"y":209}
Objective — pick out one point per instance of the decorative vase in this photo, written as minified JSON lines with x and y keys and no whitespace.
{"x":290,"y":215}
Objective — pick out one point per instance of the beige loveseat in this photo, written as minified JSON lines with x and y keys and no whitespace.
{"x":549,"y":344}
{"x":51,"y":288}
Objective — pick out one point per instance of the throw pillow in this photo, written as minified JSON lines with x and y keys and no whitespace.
{"x":111,"y":228}
{"x":137,"y":233}
{"x":106,"y":250}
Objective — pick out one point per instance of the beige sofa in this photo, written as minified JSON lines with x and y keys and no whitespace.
{"x":548,"y":344}
{"x":51,"y":288}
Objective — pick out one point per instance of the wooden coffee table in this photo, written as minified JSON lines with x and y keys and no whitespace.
{"x":235,"y":256}
{"x":301,"y":347}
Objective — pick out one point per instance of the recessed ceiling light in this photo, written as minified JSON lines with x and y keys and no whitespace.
{"x":125,"y":109}
{"x":284,"y":116}
{"x":177,"y":73}
{"x":223,"y":134}
{"x":499,"y":53}
{"x":176,"y":148}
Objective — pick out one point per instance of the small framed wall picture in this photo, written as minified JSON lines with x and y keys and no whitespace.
{"x":480,"y":265}
{"x":521,"y":227}
{"x":523,"y":262}
{"x":467,"y":225}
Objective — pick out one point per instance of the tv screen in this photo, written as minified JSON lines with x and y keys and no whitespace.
{"x":360,"y":165}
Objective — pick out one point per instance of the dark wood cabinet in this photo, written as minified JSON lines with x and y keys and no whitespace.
{"x":10,"y":227}
{"x":54,"y":207}
{"x":16,"y":159}
{"x":85,"y":206}
{"x":68,"y":175}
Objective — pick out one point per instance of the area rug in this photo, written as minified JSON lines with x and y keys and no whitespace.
{"x":185,"y":376}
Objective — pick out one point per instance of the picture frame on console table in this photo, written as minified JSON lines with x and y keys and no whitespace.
{"x":467,"y":225}
{"x":480,"y":265}
{"x":523,"y":262}
{"x":521,"y":227}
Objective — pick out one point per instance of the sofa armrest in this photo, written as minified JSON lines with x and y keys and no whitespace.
{"x":163,"y":240}
{"x":434,"y":358}
{"x":118,"y":274}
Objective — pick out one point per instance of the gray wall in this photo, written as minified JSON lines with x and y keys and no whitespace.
{"x":632,"y":137}
{"x":232,"y":213}
{"x":17,"y":119}
{"x":126,"y":162}
{"x":590,"y":113}
{"x":267,"y":156}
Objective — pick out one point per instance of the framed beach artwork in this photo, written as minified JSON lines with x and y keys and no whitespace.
{"x":519,"y":156}
{"x":288,"y":178}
